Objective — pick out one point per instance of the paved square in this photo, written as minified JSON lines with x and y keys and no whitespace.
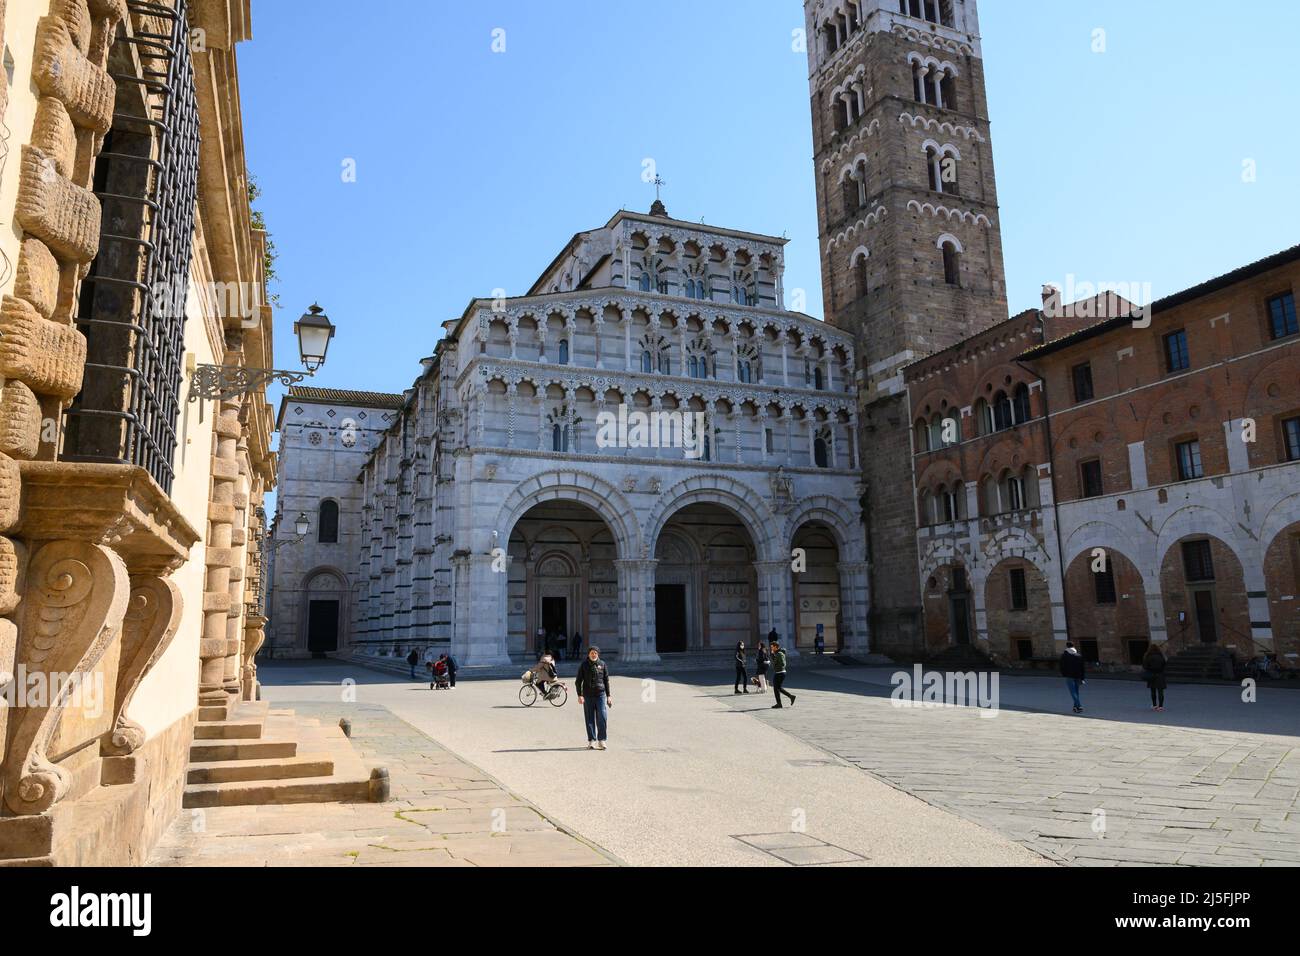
{"x":697,"y":776}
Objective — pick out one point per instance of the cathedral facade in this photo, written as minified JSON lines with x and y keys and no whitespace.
{"x":645,"y":450}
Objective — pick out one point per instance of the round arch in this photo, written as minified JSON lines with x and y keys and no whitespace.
{"x":581,"y":488}
{"x":325,"y":625}
{"x":723,"y":491}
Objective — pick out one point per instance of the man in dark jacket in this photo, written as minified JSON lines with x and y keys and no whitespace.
{"x":778,"y":676}
{"x":594,"y":695}
{"x":413,"y":658}
{"x":452,"y":667}
{"x":1073,"y":670}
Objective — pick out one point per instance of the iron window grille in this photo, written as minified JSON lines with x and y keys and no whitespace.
{"x":132,"y":304}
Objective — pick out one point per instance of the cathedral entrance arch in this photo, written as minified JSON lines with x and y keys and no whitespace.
{"x":563,"y":580}
{"x":706,"y":592}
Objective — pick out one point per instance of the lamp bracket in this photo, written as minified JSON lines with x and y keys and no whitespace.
{"x":222,"y":382}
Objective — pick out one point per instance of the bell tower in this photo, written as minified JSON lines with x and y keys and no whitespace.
{"x":910,"y":242}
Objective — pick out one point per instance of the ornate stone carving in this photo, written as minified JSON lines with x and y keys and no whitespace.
{"x":152,"y":616}
{"x":76,"y":598}
{"x":782,"y":491}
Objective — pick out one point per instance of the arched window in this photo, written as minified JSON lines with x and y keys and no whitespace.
{"x":936,"y":431}
{"x":564,"y":351}
{"x":744,"y":371}
{"x":932,"y":167}
{"x":665,"y":363}
{"x":819,"y":381}
{"x":1002,"y":416}
{"x":923,"y":436}
{"x":1021,"y":403}
{"x":951,"y":264}
{"x":861,"y":274}
{"x":983,"y":417}
{"x":645,"y":282}
{"x":693,"y":366}
{"x":948,"y":506}
{"x":647,"y":362}
{"x":821,"y":452}
{"x":327,"y":525}
{"x":559,"y":438}
{"x":1015,"y":493}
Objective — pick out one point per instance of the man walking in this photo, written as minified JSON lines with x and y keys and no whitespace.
{"x":452,"y":667}
{"x":413,"y":658}
{"x":594,"y":695}
{"x":778,"y":676}
{"x":1073,"y":670}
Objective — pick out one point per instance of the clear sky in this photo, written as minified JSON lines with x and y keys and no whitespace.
{"x":473,"y":168}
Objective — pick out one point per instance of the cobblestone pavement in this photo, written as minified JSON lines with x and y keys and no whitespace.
{"x":1171,"y":794}
{"x":444,"y":812}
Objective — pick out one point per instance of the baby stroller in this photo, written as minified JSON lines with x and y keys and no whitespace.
{"x":441,"y":679}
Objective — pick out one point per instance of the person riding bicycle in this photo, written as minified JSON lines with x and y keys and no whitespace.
{"x":544,"y":674}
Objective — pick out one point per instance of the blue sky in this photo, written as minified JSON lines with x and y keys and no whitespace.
{"x":473,"y":168}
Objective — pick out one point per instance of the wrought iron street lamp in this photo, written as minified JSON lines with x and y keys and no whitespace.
{"x":221,"y":382}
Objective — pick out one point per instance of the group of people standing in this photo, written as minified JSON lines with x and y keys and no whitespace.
{"x":769,"y":654}
{"x":558,"y":644}
{"x":1075,"y":672}
{"x":440,"y":666}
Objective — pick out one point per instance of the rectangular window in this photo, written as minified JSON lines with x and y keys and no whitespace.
{"x":1189,"y":460}
{"x":1019,"y":595}
{"x":1281,"y":316}
{"x":1291,"y":438}
{"x":146,"y":178}
{"x":1103,"y":584}
{"x":1090,"y":478}
{"x":1177,"y":358}
{"x":1082,"y":375}
{"x":771,"y":445}
{"x":1198,"y":563}
{"x":1025,"y":649}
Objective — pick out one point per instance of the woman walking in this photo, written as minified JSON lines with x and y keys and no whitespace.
{"x":742,"y":672}
{"x":1153,"y":667}
{"x":760,"y":663}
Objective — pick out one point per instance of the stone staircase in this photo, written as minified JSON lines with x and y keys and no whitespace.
{"x":1198,"y":662}
{"x":245,"y":754}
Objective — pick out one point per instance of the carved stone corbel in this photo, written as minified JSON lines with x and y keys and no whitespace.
{"x":153,"y":616}
{"x":72,"y":611}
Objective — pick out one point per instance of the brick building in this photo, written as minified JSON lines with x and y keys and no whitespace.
{"x":1118,"y":480}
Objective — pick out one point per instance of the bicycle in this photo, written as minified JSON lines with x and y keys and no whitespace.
{"x":558,"y":695}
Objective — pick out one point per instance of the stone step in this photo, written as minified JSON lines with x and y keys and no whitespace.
{"x":248,"y":749}
{"x":241,"y":710}
{"x":275,"y":768}
{"x":229,"y":729}
{"x":334,"y":788}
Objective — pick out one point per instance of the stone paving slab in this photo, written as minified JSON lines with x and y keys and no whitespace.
{"x":444,"y":812}
{"x":1172,"y":794}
